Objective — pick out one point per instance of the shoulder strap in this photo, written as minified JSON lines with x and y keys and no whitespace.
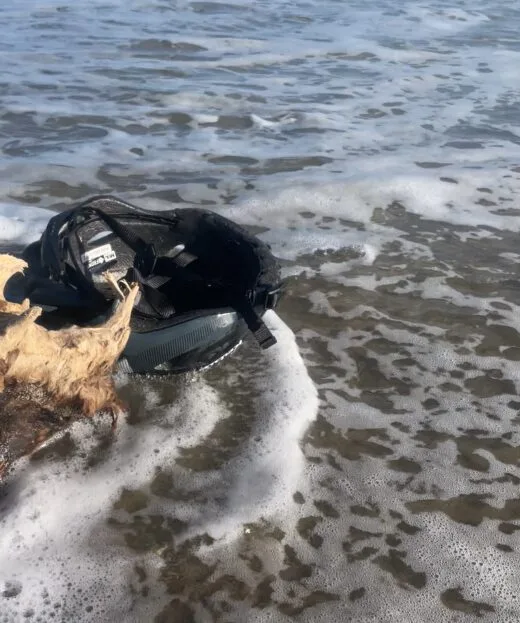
{"x":255,"y":324}
{"x":52,"y":244}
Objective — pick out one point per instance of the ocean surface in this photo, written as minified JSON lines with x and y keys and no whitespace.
{"x":366,"y":468}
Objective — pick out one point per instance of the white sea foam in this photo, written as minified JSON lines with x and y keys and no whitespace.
{"x":71,"y":502}
{"x":269,"y":469}
{"x":376,"y":147}
{"x":425,"y":195}
{"x":21,"y":224}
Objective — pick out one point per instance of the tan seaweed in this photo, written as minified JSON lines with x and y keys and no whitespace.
{"x":72,"y":366}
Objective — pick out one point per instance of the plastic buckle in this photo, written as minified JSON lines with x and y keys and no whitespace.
{"x":145,"y":260}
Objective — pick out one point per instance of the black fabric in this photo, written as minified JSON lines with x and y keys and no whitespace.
{"x":187,"y":261}
{"x":255,"y":324}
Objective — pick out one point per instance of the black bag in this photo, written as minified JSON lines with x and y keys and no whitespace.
{"x":189,"y":262}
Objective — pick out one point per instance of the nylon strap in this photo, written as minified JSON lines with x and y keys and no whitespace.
{"x":255,"y":324}
{"x":153,"y":300}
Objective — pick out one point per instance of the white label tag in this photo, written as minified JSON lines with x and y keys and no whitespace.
{"x":101,"y":255}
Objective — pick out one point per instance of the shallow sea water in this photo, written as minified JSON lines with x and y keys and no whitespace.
{"x":366,"y":468}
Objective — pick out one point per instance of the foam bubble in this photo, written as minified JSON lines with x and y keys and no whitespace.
{"x":21,"y":224}
{"x":69,"y":502}
{"x":376,"y":148}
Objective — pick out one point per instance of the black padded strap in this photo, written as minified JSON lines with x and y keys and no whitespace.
{"x":158,"y":302}
{"x":51,"y":249}
{"x":255,"y":324}
{"x":52,"y":242}
{"x":146,"y":260}
{"x":129,"y":237}
{"x":153,"y":302}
